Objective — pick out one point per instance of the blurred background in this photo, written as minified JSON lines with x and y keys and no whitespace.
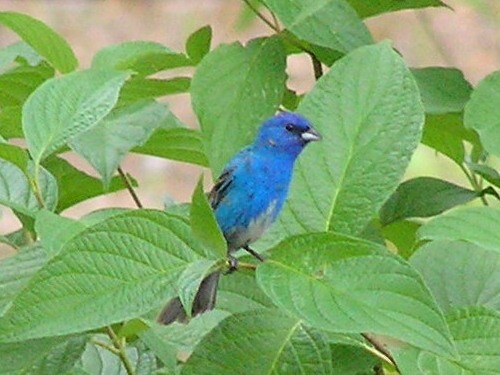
{"x":467,"y":36}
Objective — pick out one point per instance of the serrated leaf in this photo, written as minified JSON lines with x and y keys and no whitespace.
{"x":342,"y":284}
{"x":423,"y":197}
{"x":70,"y":181}
{"x":372,"y":8}
{"x":144,"y":58}
{"x":460,"y":274}
{"x":328,"y":23}
{"x":198,"y":43}
{"x":18,"y":83}
{"x":482,"y":112}
{"x":41,"y":357}
{"x":234,"y":89}
{"x":204,"y":224}
{"x":179,"y":144}
{"x":115,"y":270}
{"x":54,"y":231}
{"x":16,"y":191}
{"x":281,"y":344}
{"x":67,"y":106}
{"x":368,"y":138}
{"x":443,"y":90}
{"x":16,"y":271}
{"x":148,"y":88}
{"x":43,"y":39}
{"x":105,"y":145}
{"x":478,"y":225}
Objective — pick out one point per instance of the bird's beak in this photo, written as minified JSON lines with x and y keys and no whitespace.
{"x":311,"y":135}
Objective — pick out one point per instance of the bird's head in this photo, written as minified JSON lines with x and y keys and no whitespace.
{"x":286,"y":132}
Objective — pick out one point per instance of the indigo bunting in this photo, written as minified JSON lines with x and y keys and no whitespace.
{"x":249,"y":195}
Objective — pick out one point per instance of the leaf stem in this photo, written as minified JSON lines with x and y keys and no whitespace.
{"x":272,"y":25}
{"x":380,"y":350}
{"x":130,"y":188}
{"x":35,"y":186}
{"x":471,"y":176}
{"x":119,"y":349}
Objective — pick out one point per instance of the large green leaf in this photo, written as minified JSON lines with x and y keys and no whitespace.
{"x":16,"y":191}
{"x":106,"y":144}
{"x":142,"y":57}
{"x":17,"y":84}
{"x":328,"y":23}
{"x":281,"y":344}
{"x":423,"y":197}
{"x":115,"y":270}
{"x":343,"y":284}
{"x":368,"y":110}
{"x":16,"y":271}
{"x":233,"y":90}
{"x":54,"y":355}
{"x":43,"y":39}
{"x":179,"y":144}
{"x":372,"y":8}
{"x":482,"y":112}
{"x":67,"y":106}
{"x":71,"y":182}
{"x":460,"y":274}
{"x":478,"y":225}
{"x":443,"y":90}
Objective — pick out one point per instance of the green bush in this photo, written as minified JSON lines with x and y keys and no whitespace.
{"x":81,"y":296}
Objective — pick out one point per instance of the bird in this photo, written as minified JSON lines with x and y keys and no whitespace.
{"x":248,"y":196}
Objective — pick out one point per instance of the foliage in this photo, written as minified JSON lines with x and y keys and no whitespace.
{"x":356,"y":281}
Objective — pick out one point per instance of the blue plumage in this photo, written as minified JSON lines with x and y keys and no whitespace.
{"x":250,"y":193}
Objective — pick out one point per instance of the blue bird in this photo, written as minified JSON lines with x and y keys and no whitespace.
{"x":249,"y":195}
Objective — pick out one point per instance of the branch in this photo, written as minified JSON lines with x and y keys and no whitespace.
{"x":119,"y":345}
{"x":130,"y":188}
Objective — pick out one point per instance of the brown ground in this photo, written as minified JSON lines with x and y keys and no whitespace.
{"x":468,"y":38}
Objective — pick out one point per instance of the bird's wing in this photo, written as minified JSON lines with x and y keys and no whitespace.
{"x":221,"y":186}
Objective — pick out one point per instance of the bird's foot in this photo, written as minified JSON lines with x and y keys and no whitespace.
{"x":232,"y":265}
{"x":254,"y":253}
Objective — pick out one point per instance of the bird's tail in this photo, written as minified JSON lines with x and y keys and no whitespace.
{"x":203,"y":301}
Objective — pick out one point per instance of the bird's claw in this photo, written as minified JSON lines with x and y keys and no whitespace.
{"x":232,"y":265}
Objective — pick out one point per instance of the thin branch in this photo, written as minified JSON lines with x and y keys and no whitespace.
{"x":380,"y":350}
{"x":262,"y":17}
{"x":473,"y":182}
{"x":119,"y":345}
{"x":130,"y":188}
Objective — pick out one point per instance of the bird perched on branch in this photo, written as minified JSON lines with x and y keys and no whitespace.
{"x":249,"y":195}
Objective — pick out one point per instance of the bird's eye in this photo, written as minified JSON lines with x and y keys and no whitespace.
{"x":289,"y":127}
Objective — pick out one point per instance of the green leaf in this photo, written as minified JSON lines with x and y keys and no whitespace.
{"x":478,"y":225}
{"x":372,"y":8}
{"x":43,"y":39}
{"x":105,"y":145}
{"x":190,"y":280}
{"x":113,"y":271}
{"x":489,"y":174}
{"x":234,"y":89}
{"x":71,"y":180}
{"x":144,"y":58}
{"x":423,"y":197}
{"x":369,"y":136}
{"x":281,"y":344}
{"x":54,"y":355}
{"x":343,"y":284}
{"x":139,"y":88}
{"x":445,"y":134}
{"x":18,"y":51}
{"x":10,"y":122}
{"x":482,"y":112}
{"x":204,"y":224}
{"x":460,"y":274}
{"x":328,"y":23}
{"x":443,"y":90}
{"x":403,"y":234}
{"x":15,"y":155}
{"x":198,"y":44}
{"x":67,"y":106}
{"x":54,"y":231}
{"x":16,"y":192}
{"x":16,"y":271}
{"x":179,"y":144}
{"x":17,"y":84}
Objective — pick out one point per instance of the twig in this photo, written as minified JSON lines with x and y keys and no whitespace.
{"x":130,"y":188}
{"x":261,"y":16}
{"x":380,"y":350}
{"x":475,"y":185}
{"x":119,"y":345}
